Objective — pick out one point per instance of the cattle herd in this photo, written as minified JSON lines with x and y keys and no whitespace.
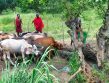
{"x":28,"y":43}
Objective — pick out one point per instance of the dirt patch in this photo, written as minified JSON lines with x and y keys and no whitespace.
{"x":60,"y":63}
{"x":62,"y":76}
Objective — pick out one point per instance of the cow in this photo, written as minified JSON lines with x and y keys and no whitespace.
{"x":46,"y":42}
{"x":17,"y":46}
{"x":35,"y":35}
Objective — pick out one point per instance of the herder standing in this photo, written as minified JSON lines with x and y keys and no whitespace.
{"x":18,"y":24}
{"x":38,"y":23}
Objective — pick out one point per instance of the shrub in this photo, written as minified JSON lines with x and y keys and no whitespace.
{"x":102,"y":75}
{"x":7,"y":20}
{"x":7,"y":11}
{"x":18,"y":10}
{"x":8,"y":28}
{"x":75,"y":64}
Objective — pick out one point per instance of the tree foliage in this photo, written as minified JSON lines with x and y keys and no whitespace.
{"x":7,"y":4}
{"x":73,"y":8}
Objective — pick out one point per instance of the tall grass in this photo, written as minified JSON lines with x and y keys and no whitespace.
{"x":21,"y":73}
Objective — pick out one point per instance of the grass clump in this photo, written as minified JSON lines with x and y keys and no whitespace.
{"x":8,"y":28}
{"x":7,"y":20}
{"x":103,"y":74}
{"x":75,"y":64}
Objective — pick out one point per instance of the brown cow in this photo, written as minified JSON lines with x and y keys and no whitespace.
{"x":46,"y":42}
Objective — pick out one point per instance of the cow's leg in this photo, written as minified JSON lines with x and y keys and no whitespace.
{"x":23,"y":56}
{"x":14,"y":55}
{"x":16,"y":59}
{"x":4,"y":57}
{"x":8,"y":56}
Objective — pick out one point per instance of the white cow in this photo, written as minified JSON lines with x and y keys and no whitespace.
{"x":17,"y":46}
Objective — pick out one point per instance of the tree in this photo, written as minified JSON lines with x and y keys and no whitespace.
{"x":7,"y":4}
{"x":74,"y":7}
{"x":103,"y":39}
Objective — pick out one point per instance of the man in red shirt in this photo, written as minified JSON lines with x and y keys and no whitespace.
{"x":38,"y":23}
{"x":18,"y":24}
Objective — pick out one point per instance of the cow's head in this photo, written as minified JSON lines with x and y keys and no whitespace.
{"x":58,"y":45}
{"x":31,"y":49}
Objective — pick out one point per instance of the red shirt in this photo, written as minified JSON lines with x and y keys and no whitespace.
{"x":38,"y":23}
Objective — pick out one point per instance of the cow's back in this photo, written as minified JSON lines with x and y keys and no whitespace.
{"x":12,"y":44}
{"x":46,"y":41}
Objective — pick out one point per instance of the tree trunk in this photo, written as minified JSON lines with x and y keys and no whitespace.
{"x":103,"y":40}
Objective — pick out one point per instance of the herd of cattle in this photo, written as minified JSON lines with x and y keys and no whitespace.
{"x":27,"y":43}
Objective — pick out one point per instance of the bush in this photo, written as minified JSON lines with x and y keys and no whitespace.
{"x":7,"y":11}
{"x":7,"y":20}
{"x":102,"y":75}
{"x":75,"y":64}
{"x":8,"y":28}
{"x":18,"y":10}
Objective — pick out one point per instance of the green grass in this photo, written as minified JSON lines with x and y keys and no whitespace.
{"x":74,"y":64}
{"x":103,"y":74}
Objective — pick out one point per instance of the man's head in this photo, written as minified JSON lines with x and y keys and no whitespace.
{"x":37,"y":14}
{"x":18,"y":15}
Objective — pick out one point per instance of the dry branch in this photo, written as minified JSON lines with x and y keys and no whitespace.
{"x":72,"y":76}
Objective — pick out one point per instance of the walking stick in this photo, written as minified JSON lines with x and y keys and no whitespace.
{"x":28,"y":24}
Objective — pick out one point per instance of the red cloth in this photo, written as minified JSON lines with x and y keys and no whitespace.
{"x":38,"y":23}
{"x":18,"y":23}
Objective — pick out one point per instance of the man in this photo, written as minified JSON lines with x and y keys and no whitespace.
{"x":38,"y":23}
{"x":18,"y":24}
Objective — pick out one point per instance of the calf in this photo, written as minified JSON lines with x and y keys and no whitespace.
{"x":17,"y":46}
